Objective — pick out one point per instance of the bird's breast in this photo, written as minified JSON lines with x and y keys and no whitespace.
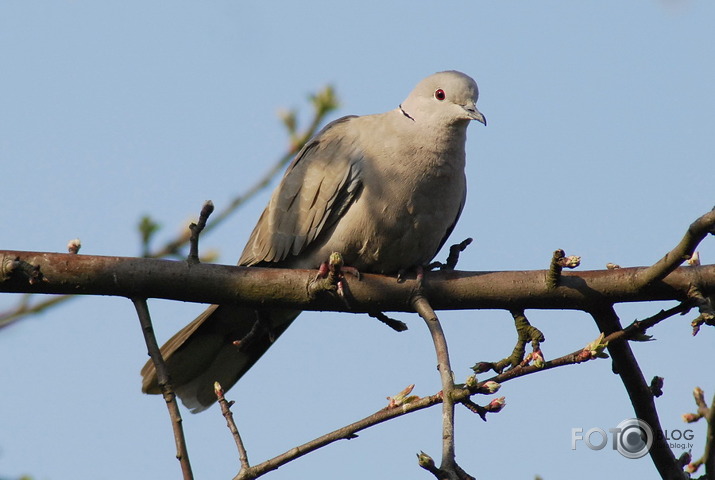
{"x":398,"y":222}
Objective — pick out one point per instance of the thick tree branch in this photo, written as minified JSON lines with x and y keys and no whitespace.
{"x":206,"y":283}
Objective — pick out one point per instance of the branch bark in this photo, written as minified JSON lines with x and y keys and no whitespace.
{"x":626,"y":366}
{"x":453,"y":290}
{"x":423,"y":308}
{"x":697,"y":231}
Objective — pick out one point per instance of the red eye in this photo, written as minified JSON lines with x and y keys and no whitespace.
{"x":439,"y":94}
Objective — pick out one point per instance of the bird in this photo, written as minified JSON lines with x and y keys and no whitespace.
{"x":383,"y":190}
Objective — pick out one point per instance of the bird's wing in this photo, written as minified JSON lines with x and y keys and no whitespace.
{"x":318,"y":187}
{"x":448,"y":232}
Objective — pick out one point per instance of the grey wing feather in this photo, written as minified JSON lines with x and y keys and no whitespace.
{"x":319,"y":185}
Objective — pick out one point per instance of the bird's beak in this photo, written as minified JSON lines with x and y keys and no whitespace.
{"x":475,"y":114}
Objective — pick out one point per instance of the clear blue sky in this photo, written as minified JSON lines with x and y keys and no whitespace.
{"x":600,"y":141}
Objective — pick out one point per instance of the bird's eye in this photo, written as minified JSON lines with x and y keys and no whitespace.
{"x":439,"y":94}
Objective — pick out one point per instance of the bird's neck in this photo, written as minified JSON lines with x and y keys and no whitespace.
{"x":435,"y":133}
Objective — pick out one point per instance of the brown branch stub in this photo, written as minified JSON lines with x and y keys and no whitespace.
{"x":494,"y":406}
{"x":453,"y":257}
{"x":182,"y":453}
{"x":396,"y":325}
{"x":554,"y":274}
{"x":559,"y":261}
{"x":454,"y":252}
{"x":656,"y":386}
{"x":196,"y":229}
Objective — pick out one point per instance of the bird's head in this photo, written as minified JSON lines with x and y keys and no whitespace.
{"x":445,"y":98}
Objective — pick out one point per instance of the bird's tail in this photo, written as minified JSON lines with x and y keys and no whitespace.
{"x":206,"y":351}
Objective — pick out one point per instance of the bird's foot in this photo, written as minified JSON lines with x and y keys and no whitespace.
{"x":419,"y":274}
{"x":260,"y":329}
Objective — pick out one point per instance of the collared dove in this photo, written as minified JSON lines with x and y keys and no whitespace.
{"x":383,"y":190}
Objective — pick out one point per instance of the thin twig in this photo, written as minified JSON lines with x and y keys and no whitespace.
{"x":182,"y":453}
{"x":423,"y":308}
{"x":697,"y":231}
{"x":345,"y":433}
{"x":633,"y":330}
{"x":228,"y":415}
{"x":709,"y":455}
{"x":459,"y":395}
{"x":708,"y":413}
{"x":25,"y":308}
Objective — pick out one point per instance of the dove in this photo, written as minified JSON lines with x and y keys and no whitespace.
{"x":383,"y":190}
